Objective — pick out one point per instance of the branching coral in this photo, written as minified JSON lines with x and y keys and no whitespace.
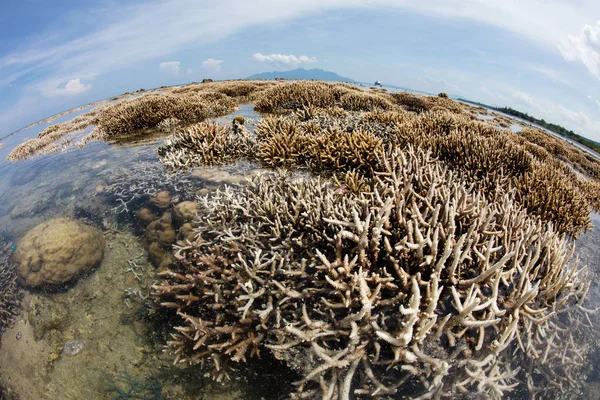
{"x":205,"y":144}
{"x":549,"y":193}
{"x":46,"y":141}
{"x":143,"y":180}
{"x":10,"y":296}
{"x":147,"y":111}
{"x":421,"y":285}
{"x":340,"y":151}
{"x":494,"y":160}
{"x":293,"y":96}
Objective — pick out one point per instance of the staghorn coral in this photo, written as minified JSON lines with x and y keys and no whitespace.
{"x":580,"y":160}
{"x":168,"y":125}
{"x":10,"y":294}
{"x":357,"y":101}
{"x":340,"y":151}
{"x":205,"y":143}
{"x":494,"y":160}
{"x":289,"y":97}
{"x":551,"y":194}
{"x":46,"y":141}
{"x":411,"y":102}
{"x":143,"y":180}
{"x":421,"y":287}
{"x":147,"y":111}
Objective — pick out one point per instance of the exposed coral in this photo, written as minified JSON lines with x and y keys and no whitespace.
{"x":57,"y":251}
{"x":492,"y":159}
{"x":10,"y":295}
{"x":422,"y":286}
{"x":168,"y":125}
{"x":549,"y":193}
{"x":48,"y":140}
{"x":340,"y":151}
{"x":147,"y":111}
{"x":205,"y":144}
{"x":289,"y":97}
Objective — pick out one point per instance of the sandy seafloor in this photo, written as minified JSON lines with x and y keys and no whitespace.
{"x":104,"y":310}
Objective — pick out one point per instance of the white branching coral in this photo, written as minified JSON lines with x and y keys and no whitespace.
{"x":420,"y":285}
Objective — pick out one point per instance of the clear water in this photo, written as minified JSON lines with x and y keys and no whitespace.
{"x":102,"y":314}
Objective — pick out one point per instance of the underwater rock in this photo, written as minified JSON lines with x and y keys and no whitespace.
{"x":57,"y":251}
{"x":146,"y":216}
{"x":161,"y":200}
{"x":162,"y":230}
{"x":185,"y":211}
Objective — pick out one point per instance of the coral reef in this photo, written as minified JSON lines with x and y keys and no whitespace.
{"x":422,"y":287}
{"x":57,"y":251}
{"x":325,"y":140}
{"x":10,"y":294}
{"x":205,"y":144}
{"x":149,"y":110}
{"x":163,"y":224}
{"x":168,"y":125}
{"x":133,"y":186}
{"x":54,"y":137}
{"x":288,"y":97}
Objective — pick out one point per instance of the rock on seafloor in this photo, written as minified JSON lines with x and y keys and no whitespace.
{"x":57,"y":251}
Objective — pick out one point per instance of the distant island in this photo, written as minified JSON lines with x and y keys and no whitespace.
{"x":541,"y":122}
{"x":301,"y":73}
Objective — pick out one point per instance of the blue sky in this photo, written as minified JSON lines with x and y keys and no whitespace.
{"x":538,"y":56}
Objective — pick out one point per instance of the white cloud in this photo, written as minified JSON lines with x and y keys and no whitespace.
{"x":594,"y":100}
{"x":170,"y":67}
{"x":212,"y":64}
{"x":541,"y":107}
{"x":284,"y":59}
{"x":140,"y":32}
{"x":71,"y":88}
{"x":584,"y":47}
{"x":143,"y":31}
{"x":525,"y":99}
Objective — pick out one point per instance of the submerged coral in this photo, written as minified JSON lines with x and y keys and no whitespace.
{"x":10,"y":295}
{"x":421,"y":286}
{"x":58,"y":251}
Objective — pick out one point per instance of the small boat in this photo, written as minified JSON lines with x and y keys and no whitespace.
{"x":377,"y":83}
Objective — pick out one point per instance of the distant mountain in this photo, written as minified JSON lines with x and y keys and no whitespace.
{"x":302,"y":73}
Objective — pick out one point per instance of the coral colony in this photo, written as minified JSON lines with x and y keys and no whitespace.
{"x":400,"y":245}
{"x":10,"y":296}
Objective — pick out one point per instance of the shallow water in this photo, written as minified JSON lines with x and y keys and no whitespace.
{"x":100,"y":318}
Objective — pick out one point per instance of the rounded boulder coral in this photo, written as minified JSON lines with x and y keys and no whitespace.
{"x":57,"y":251}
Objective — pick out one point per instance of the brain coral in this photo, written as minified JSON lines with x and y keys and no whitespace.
{"x":57,"y":251}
